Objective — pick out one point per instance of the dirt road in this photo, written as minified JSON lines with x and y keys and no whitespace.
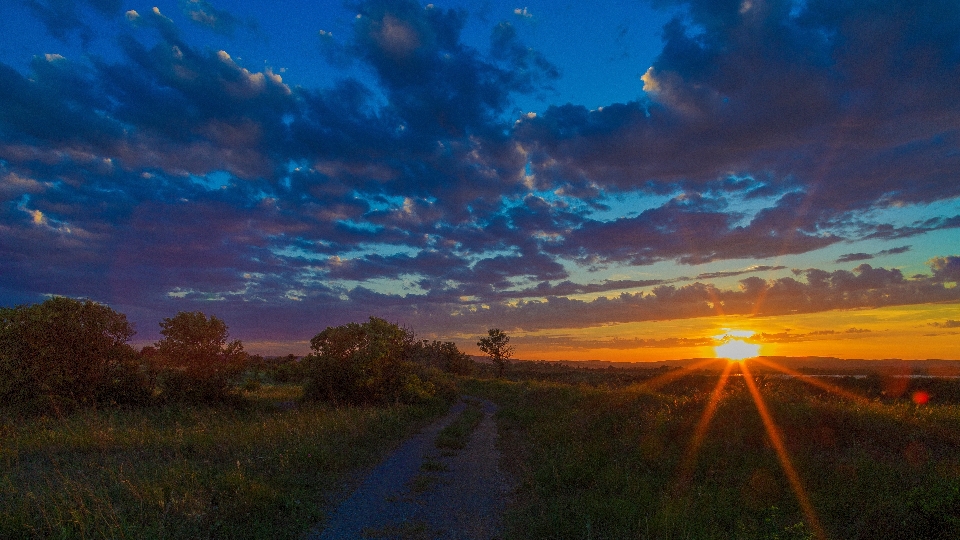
{"x":419,"y":493}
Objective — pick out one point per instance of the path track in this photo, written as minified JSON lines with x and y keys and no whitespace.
{"x":400,"y":500}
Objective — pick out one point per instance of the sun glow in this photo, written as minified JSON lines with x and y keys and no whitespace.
{"x":735,"y":349}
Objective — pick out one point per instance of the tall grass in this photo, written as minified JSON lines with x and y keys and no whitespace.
{"x":266,"y":470}
{"x":605,"y":462}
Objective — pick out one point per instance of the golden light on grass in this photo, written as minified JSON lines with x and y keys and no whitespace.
{"x":737,"y":349}
{"x":813,"y":381}
{"x":777,"y":442}
{"x":690,"y":458}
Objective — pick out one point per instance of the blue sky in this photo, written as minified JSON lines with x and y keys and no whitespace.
{"x":578,"y":174}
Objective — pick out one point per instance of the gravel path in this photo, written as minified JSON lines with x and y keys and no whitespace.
{"x":418,"y":493}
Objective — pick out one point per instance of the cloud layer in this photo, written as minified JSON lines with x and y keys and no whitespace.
{"x":170,"y":176}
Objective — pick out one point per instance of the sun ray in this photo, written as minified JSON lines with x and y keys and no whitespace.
{"x":774,"y":434}
{"x":689,"y":459}
{"x":813,"y":381}
{"x":670,"y":376}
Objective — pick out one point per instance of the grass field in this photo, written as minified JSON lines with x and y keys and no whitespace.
{"x":617,"y":459}
{"x":598,"y":454}
{"x":262,"y":470}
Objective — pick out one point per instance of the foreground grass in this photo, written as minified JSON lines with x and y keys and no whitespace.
{"x":261,"y":471}
{"x":455,"y":436}
{"x":608,"y":463}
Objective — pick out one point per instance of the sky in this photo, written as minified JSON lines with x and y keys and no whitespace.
{"x":620,"y":180}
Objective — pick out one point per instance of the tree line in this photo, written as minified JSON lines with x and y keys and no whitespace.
{"x":64,"y":353}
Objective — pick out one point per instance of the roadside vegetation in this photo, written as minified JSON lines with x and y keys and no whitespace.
{"x":614,"y":457}
{"x":192,"y":437}
{"x":263,"y":470}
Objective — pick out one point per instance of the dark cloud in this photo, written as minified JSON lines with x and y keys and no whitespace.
{"x":865,"y":287}
{"x":64,"y":17}
{"x":949,"y":323}
{"x":790,"y":337}
{"x":793,"y":95}
{"x":894,"y":251}
{"x":692,"y":231}
{"x":946,"y":268}
{"x":850,"y":257}
{"x":887,"y":231}
{"x":752,"y":269}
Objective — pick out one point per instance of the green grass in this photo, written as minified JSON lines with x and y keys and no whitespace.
{"x":455,"y":436}
{"x":265,"y":470}
{"x":604,"y":462}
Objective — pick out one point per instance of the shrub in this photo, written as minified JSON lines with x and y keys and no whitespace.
{"x":193,"y":362}
{"x":369,"y":363}
{"x":444,"y":356}
{"x":284,"y":369}
{"x":64,"y":353}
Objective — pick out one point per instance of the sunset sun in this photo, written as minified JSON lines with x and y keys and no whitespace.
{"x":737,"y":349}
{"x":733,"y":348}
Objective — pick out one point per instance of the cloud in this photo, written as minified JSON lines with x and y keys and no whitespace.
{"x":865,"y":287}
{"x":64,"y":17}
{"x":946,"y":268}
{"x":789,"y":337}
{"x":692,"y":231}
{"x":949,"y":323}
{"x":171,"y":175}
{"x":204,"y":13}
{"x":767,"y":95}
{"x":850,"y":257}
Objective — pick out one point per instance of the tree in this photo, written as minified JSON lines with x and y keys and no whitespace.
{"x":496,"y":345}
{"x":445,"y":356}
{"x":367,"y":363}
{"x":65,"y":352}
{"x":193,"y":361}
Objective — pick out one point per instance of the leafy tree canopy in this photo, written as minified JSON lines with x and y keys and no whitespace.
{"x":367,"y":363}
{"x":497,"y":346}
{"x":65,"y":352}
{"x":194,"y":359}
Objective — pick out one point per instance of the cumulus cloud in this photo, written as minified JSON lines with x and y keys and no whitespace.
{"x":946,"y":268}
{"x":769,"y":94}
{"x":174,"y":174}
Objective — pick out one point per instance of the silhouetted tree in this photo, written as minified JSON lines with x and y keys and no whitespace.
{"x":65,"y":352}
{"x":193,"y":360}
{"x":496,"y":345}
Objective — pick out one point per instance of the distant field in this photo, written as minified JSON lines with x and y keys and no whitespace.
{"x":601,"y":455}
{"x":260,"y":471}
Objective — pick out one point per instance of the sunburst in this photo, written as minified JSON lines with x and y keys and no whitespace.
{"x":734,"y":348}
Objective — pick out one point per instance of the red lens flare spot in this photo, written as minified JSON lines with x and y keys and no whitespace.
{"x":921,"y":397}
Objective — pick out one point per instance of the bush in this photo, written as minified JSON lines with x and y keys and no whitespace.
{"x":64,"y":353}
{"x":370,"y":363}
{"x":444,"y":356}
{"x":193,"y":362}
{"x":283,"y":369}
